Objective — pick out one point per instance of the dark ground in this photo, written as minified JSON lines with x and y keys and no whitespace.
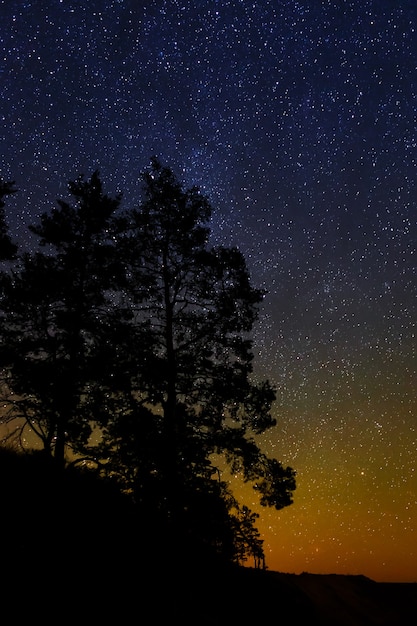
{"x":69,"y":556}
{"x":248,"y":597}
{"x":235,"y":597}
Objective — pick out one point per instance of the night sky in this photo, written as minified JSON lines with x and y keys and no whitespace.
{"x":298,"y":120}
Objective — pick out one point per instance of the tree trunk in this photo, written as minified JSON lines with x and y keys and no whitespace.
{"x":171,"y":470}
{"x":59,"y":448}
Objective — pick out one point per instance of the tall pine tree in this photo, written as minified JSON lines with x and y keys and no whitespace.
{"x":195,"y":397}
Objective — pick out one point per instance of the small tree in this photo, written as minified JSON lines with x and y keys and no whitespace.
{"x":247,"y":538}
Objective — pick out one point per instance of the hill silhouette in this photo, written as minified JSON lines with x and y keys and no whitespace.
{"x":75,"y":551}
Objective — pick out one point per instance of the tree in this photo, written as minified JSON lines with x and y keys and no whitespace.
{"x":56,"y":309}
{"x":247,"y":537}
{"x":7,"y":248}
{"x":194,"y":394}
{"x":132,"y":323}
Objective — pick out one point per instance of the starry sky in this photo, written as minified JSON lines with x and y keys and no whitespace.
{"x":298,"y":120}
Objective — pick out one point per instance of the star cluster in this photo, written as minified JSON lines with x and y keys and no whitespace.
{"x":298,"y":120}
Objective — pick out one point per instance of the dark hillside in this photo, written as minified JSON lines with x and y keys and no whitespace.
{"x":355,"y":600}
{"x":73,"y":551}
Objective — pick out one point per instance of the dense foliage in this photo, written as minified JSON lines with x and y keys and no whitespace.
{"x":126,"y":340}
{"x":7,"y":248}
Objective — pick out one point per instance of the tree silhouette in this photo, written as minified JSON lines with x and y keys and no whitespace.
{"x":7,"y":248}
{"x":131,"y":324}
{"x":55,"y":312}
{"x":247,"y":538}
{"x":191,"y":391}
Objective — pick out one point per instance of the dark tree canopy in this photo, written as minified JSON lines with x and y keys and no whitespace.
{"x":7,"y":248}
{"x":132,"y":326}
{"x":55,"y":316}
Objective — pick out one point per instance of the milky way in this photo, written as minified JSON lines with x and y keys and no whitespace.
{"x":298,"y":120}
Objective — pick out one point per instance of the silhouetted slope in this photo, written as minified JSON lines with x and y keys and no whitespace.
{"x":356,"y":600}
{"x":73,"y":551}
{"x":245,"y":597}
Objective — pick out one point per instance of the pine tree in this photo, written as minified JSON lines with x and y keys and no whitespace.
{"x":56,"y":311}
{"x":195,"y":395}
{"x":134,"y":324}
